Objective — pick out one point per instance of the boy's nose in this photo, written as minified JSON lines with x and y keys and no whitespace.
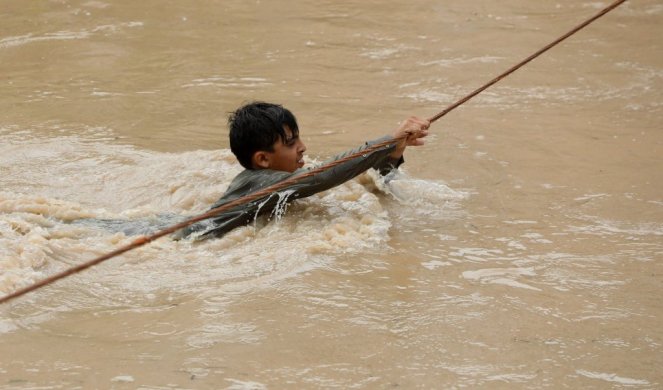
{"x":301,"y":147}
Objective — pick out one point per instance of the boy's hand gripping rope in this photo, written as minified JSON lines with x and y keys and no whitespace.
{"x":140,"y":241}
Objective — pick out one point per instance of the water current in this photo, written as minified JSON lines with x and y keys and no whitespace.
{"x":521,"y":247}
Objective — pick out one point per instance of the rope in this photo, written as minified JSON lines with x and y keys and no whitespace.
{"x":143,"y":240}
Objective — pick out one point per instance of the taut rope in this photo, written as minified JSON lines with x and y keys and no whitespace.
{"x":281,"y":185}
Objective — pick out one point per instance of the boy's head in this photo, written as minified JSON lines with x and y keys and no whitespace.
{"x":265,"y":135}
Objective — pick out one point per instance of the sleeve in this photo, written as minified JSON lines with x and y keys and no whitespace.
{"x":339,"y":174}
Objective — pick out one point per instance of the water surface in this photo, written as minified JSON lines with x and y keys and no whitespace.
{"x":521,"y":247}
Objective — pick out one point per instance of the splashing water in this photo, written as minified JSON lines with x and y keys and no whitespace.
{"x":43,"y":234}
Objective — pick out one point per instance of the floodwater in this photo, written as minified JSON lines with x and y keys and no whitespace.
{"x":522,"y":247}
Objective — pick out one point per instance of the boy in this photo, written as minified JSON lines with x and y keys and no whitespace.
{"x":265,"y":139}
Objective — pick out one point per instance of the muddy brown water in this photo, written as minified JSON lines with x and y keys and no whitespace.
{"x":522,"y":247}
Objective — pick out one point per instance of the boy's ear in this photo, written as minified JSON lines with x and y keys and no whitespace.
{"x":261,"y":159}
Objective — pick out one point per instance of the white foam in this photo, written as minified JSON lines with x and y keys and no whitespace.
{"x":245,"y":385}
{"x":518,"y":378}
{"x":503,"y":276}
{"x":608,"y":227}
{"x":590,"y":196}
{"x":450,"y":62}
{"x":428,"y":95}
{"x":212,"y":334}
{"x":421,"y":197}
{"x":612,"y":378}
{"x":64,"y":35}
{"x":30,"y":38}
{"x":520,"y":222}
{"x":123,"y":379}
{"x":229,"y":82}
{"x":41,"y":232}
{"x":433,"y":264}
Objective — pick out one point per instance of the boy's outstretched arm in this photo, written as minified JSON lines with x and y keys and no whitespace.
{"x":250,"y":181}
{"x":415,"y":129}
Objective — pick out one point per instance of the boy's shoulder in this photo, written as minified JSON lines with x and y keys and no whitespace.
{"x":251,"y":180}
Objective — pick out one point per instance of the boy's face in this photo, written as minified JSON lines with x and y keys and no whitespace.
{"x":288,"y":154}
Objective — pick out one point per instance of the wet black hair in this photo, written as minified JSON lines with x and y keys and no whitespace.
{"x":256,"y":127}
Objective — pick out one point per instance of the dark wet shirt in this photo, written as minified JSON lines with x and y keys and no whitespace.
{"x":252,"y":180}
